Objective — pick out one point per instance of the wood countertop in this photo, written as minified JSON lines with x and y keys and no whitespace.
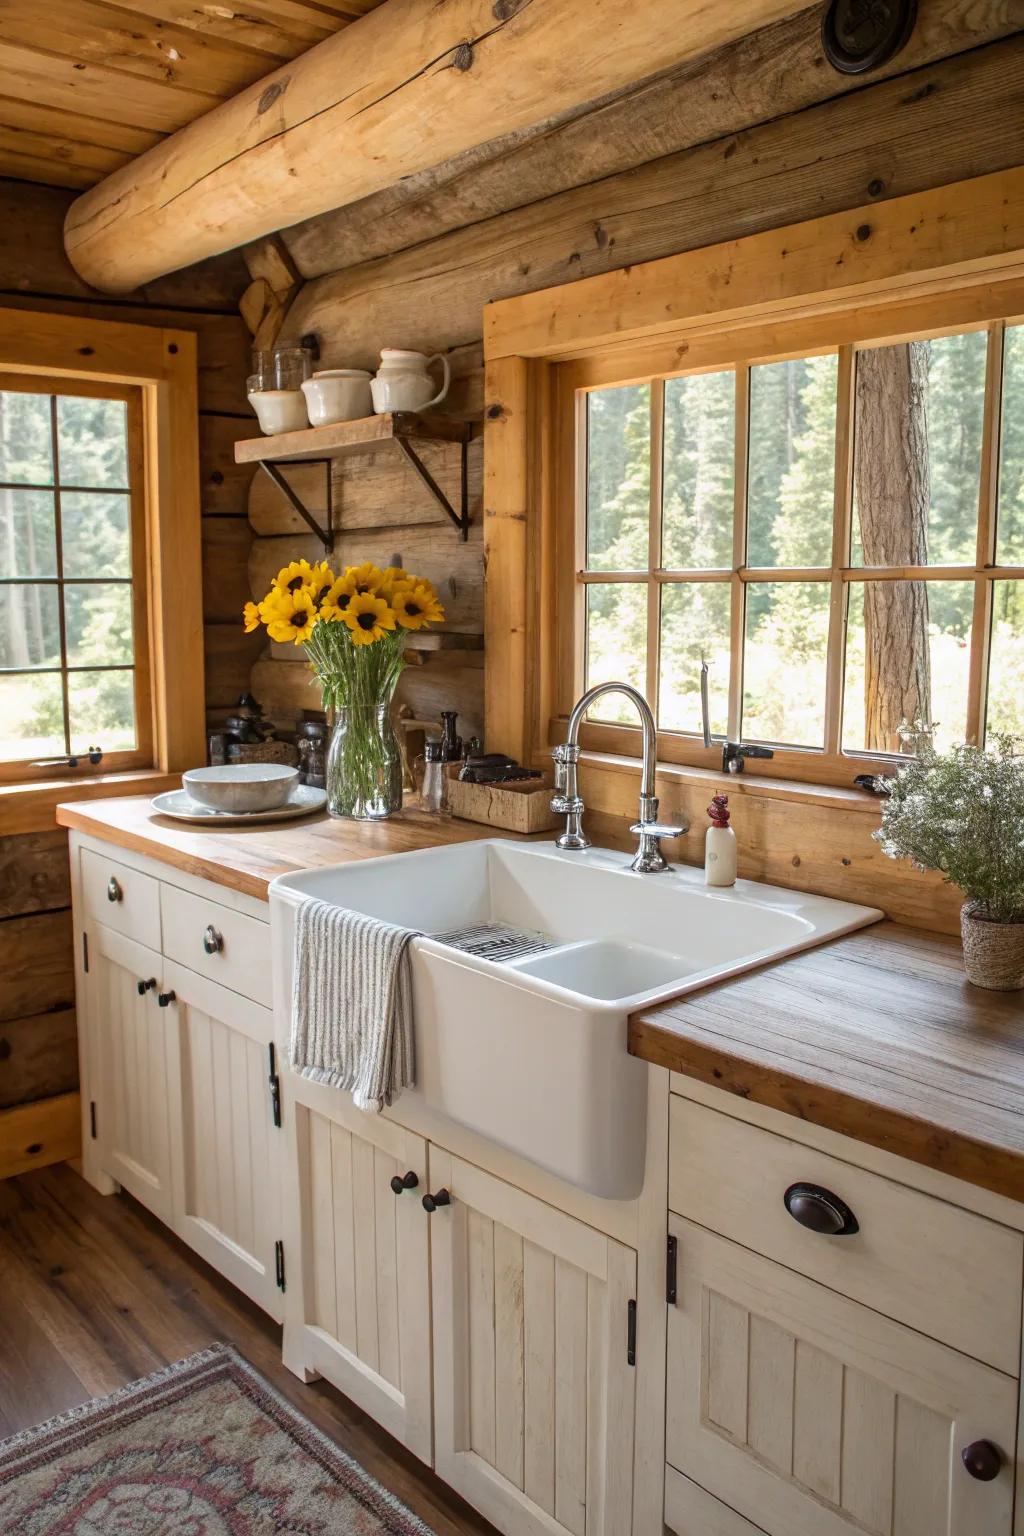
{"x":248,"y":858}
{"x":877,"y":1035}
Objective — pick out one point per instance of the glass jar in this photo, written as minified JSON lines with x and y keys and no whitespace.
{"x":364,"y":764}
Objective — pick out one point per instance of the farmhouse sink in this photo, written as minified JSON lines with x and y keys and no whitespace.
{"x":522,"y":1035}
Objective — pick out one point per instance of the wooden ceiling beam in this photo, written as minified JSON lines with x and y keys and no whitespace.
{"x":406,"y":87}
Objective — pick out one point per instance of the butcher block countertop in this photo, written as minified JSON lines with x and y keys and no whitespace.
{"x":248,"y":858}
{"x":876,"y":1035}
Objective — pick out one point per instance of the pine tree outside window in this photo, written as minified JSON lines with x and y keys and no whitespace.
{"x":840,"y":535}
{"x":73,"y":642}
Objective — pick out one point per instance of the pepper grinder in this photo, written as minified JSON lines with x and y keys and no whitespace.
{"x":451,"y":741}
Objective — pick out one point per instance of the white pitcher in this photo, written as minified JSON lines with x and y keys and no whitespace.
{"x":403,"y":381}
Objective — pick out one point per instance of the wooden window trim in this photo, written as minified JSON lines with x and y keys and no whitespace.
{"x":24,"y":771}
{"x":932,"y":263}
{"x":156,"y":368}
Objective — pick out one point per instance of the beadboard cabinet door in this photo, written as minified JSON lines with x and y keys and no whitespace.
{"x":129,"y":1048}
{"x":534,"y":1389}
{"x":812,"y":1415}
{"x":357,"y":1306}
{"x":225,"y":1153}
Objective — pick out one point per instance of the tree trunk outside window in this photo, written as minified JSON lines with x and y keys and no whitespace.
{"x":892,"y":500}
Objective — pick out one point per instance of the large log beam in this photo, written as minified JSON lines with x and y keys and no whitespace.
{"x":406,"y":87}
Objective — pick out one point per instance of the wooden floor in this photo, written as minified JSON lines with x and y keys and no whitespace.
{"x":95,"y":1293}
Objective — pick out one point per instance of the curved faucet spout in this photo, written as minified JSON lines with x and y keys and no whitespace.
{"x":568,"y":802}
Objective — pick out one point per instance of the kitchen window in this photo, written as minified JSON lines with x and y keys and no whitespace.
{"x":74,"y":671}
{"x":839,"y":534}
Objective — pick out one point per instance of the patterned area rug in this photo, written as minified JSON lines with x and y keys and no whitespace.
{"x":203,"y":1448}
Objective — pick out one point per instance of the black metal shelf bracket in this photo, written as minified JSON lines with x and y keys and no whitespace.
{"x":460,"y":518}
{"x":325,"y":535}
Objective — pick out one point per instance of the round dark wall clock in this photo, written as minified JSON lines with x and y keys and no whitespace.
{"x":858,"y":35}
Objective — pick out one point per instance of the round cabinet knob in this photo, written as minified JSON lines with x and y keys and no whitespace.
{"x":982,"y":1459}
{"x":165,"y":999}
{"x":213,"y":942}
{"x":114,"y":891}
{"x":819,"y":1210}
{"x":146,"y":986}
{"x":431,"y":1202}
{"x":403,"y":1181}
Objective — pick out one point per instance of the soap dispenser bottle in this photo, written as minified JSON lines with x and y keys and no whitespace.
{"x":719,"y":845}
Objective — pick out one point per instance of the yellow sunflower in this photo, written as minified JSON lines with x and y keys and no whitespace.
{"x":291,"y":577}
{"x":337,"y":598}
{"x":369,"y":618}
{"x":252,"y":617}
{"x":321,"y":580}
{"x":392,"y":578}
{"x":365,"y":578}
{"x":417,"y":605}
{"x":291,"y":616}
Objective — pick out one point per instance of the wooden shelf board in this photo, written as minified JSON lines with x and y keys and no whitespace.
{"x":344,"y":437}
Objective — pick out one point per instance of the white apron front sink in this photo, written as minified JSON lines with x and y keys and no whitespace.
{"x":531,"y":1052}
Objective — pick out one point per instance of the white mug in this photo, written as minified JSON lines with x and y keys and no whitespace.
{"x":338,"y":394}
{"x":403,"y":382}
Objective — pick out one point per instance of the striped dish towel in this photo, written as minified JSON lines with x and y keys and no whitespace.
{"x":352,"y":1003}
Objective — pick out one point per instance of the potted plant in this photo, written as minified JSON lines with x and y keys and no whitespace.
{"x":353,"y":629}
{"x":962,"y":812}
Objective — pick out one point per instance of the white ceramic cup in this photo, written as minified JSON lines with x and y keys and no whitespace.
{"x":338,"y":394}
{"x":403,"y":381}
{"x":279,"y":410}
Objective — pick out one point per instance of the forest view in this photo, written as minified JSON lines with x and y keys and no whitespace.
{"x":917,"y":468}
{"x":65,"y":576}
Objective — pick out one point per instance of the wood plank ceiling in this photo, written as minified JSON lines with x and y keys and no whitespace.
{"x":86,"y":85}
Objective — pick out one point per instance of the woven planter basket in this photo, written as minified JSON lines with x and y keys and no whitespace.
{"x":993,"y":952}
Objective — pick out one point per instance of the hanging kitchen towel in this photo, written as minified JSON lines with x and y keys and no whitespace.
{"x":352,"y":1003}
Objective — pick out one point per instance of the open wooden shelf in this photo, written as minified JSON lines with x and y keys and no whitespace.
{"x":344,"y":437}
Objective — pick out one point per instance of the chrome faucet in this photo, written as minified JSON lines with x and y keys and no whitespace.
{"x":568,"y":802}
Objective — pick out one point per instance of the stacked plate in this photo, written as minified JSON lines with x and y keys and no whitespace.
{"x":240,"y":792}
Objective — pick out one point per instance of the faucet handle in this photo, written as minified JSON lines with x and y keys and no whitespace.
{"x":658,"y":829}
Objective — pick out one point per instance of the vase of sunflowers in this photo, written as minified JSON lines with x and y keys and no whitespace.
{"x":354,"y":629}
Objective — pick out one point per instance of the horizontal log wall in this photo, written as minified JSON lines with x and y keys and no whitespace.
{"x":761,"y":134}
{"x":38,"y":1046}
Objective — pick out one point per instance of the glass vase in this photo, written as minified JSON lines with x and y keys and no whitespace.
{"x":364,"y":764}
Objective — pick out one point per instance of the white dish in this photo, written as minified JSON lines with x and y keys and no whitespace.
{"x":279,"y":410}
{"x":338,"y":394}
{"x":302,"y":801}
{"x":241,"y":787}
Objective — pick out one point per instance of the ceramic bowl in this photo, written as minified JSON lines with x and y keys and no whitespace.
{"x":279,"y":410}
{"x":241,"y":786}
{"x":338,"y":394}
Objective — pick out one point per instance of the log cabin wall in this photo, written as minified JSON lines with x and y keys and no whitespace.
{"x":38,"y":1049}
{"x":760,"y":134}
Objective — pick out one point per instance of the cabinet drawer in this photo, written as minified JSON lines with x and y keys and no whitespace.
{"x":217,"y":942}
{"x":689,"y":1511}
{"x":951,"y":1274}
{"x":121,"y":898}
{"x":810,"y":1415}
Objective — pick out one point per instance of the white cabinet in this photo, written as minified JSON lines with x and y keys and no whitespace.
{"x":534,"y":1379}
{"x":812,"y":1415}
{"x":226,"y":1166}
{"x":178,"y":1066}
{"x":130,"y":1109}
{"x":357,"y":1304}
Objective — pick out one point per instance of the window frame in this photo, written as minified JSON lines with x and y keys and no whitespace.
{"x":740,"y":348}
{"x":27,"y":770}
{"x":158,"y":363}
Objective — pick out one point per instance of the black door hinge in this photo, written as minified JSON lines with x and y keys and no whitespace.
{"x":279,"y":1264}
{"x":92,"y":1118}
{"x":670,"y":1270}
{"x":85,"y":952}
{"x":631,"y":1333}
{"x":275,"y":1086}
